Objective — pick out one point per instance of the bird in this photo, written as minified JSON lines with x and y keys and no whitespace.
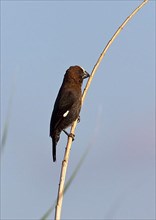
{"x":67,"y":105}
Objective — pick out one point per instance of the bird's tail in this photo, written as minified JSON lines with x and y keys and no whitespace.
{"x":55,"y":139}
{"x":54,"y":149}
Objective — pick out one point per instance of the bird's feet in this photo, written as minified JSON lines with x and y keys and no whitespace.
{"x":78,"y":119}
{"x":70,"y":135}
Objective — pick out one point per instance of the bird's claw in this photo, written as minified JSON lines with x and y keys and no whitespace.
{"x":78,"y":119}
{"x":69,"y":135}
{"x":72,"y":136}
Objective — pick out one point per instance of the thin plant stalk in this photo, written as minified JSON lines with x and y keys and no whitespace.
{"x":58,"y":207}
{"x":80,"y":162}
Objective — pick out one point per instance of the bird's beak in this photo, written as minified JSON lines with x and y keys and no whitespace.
{"x":85,"y":74}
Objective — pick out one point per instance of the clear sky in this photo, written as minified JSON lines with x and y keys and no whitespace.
{"x":39,"y":41}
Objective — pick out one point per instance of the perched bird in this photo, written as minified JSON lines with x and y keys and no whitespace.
{"x":68,"y":104}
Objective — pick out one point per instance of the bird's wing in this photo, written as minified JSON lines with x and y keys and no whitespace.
{"x":63,"y":104}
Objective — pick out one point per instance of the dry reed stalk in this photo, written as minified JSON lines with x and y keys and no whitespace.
{"x":69,"y":142}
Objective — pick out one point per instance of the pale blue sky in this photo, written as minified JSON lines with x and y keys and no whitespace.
{"x":39,"y":41}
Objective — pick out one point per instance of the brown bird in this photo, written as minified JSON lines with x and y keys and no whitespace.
{"x":67,"y":105}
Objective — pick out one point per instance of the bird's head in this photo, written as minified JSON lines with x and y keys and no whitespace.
{"x":76,"y":74}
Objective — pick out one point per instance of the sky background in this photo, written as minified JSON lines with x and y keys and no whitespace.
{"x":39,"y":41}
